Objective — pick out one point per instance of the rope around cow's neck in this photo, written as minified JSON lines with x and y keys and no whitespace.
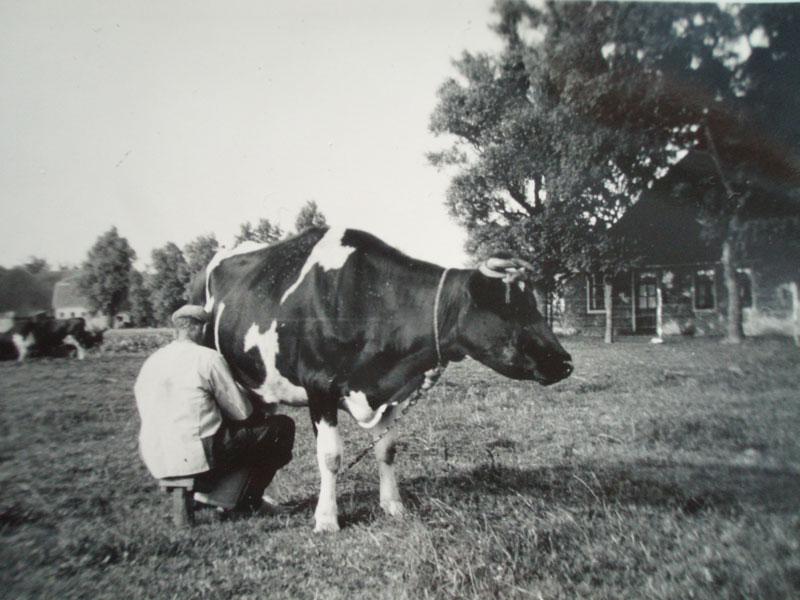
{"x":436,"y":303}
{"x":431,"y":377}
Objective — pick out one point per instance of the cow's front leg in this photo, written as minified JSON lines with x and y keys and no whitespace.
{"x":385,"y":451}
{"x":71,"y":341}
{"x":329,"y":459}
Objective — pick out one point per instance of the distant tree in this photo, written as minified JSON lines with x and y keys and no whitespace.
{"x":309,"y":216}
{"x":105,"y":277}
{"x":139,"y":301}
{"x":198,"y":254}
{"x":200,"y":251}
{"x":35,"y":265}
{"x":168,"y":283}
{"x":246,"y":233}
{"x":263,"y":232}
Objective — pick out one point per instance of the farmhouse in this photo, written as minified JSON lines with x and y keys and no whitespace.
{"x":676,"y":284}
{"x":68,"y":302}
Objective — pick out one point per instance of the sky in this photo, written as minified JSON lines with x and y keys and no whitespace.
{"x":171,"y":119}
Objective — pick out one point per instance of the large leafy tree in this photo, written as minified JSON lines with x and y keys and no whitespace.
{"x":106,"y":273}
{"x":556,"y":135}
{"x":168,"y":281}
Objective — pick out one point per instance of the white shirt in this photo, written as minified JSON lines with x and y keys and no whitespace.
{"x":179,"y":393}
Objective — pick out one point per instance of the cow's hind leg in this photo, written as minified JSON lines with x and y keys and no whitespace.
{"x":385,"y":451}
{"x":329,"y":459}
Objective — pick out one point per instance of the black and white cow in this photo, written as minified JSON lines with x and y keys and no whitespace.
{"x":338,"y":320}
{"x":46,"y":336}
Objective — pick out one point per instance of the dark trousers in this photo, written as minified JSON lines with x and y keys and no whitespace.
{"x":263,"y":444}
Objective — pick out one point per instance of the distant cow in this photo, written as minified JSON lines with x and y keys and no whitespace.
{"x":338,"y":320}
{"x":47,"y":337}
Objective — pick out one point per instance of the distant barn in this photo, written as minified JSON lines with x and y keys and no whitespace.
{"x":69,"y":302}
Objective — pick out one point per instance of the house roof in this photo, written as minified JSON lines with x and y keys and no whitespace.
{"x":67,"y":293}
{"x":662,"y":228}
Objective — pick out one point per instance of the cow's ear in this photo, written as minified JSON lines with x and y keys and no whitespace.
{"x":486,"y":292}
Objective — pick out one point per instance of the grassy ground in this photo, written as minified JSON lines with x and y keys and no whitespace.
{"x":666,"y":471}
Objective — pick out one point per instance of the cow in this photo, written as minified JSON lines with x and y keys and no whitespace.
{"x":46,"y":336}
{"x":338,"y":320}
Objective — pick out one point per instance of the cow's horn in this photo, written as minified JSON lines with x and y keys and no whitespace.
{"x":499,"y":264}
{"x":488,"y":272}
{"x":524,"y":264}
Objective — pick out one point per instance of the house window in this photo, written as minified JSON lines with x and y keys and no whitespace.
{"x":704,"y":290}
{"x":648,"y":294}
{"x":744,"y":281}
{"x":594,"y":293}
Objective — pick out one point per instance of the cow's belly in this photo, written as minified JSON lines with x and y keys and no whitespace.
{"x":275,"y":388}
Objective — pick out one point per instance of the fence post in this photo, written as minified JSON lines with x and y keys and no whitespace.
{"x":608,"y":299}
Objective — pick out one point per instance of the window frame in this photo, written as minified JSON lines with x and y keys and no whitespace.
{"x":592,"y":285}
{"x":712,"y":280}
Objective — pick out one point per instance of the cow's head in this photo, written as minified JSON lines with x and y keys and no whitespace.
{"x":502,"y":327}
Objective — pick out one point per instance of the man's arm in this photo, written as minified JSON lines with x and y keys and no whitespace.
{"x":230,"y":399}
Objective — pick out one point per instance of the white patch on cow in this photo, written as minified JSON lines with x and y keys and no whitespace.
{"x":328,"y":253}
{"x":329,"y":460}
{"x":22,"y":344}
{"x":275,"y":388}
{"x":243,"y":248}
{"x":71,"y":341}
{"x":357,"y":405}
{"x":521,"y":285}
{"x":217,"y":318}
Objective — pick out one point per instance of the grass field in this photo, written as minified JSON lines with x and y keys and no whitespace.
{"x":667,"y":471}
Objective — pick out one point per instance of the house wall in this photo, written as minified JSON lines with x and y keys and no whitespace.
{"x":67,"y":312}
{"x":774,"y":302}
{"x":774,"y":309}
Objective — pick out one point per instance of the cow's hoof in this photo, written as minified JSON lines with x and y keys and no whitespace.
{"x":393,"y":508}
{"x":327,"y":525}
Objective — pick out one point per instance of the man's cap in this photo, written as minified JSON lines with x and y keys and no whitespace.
{"x":191,"y":311}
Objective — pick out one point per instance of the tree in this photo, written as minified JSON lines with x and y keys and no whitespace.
{"x":263,"y":232}
{"x":558,"y":134}
{"x":168,"y":282}
{"x":308,"y":217}
{"x":105,"y":276}
{"x":35,"y":265}
{"x":139,"y":299}
{"x":198,"y":254}
{"x":200,"y":251}
{"x":533,"y":178}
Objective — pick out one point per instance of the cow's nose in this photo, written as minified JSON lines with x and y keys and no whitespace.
{"x":568,"y":368}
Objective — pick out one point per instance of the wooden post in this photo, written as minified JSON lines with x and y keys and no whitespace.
{"x":796,"y":312}
{"x":608,"y":299}
{"x":182,"y":509}
{"x":659,"y":314}
{"x":633,"y":301}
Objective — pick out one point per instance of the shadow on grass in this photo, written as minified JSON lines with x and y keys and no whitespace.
{"x":686,"y":488}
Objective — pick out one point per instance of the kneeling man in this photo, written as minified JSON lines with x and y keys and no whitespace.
{"x":196,"y":422}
